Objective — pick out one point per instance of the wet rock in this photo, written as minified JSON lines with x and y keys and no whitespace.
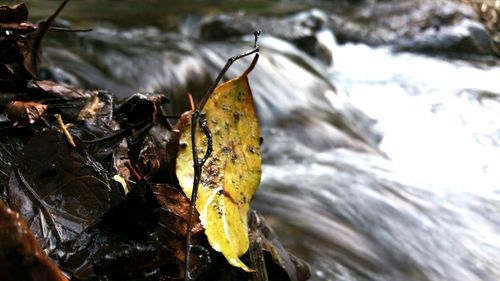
{"x":57,"y":75}
{"x":301,"y":29}
{"x":469,"y":37}
{"x":423,"y":26}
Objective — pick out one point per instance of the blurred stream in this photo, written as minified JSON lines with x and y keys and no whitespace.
{"x":383,"y":166}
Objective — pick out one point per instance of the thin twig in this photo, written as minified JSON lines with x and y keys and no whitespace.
{"x":67,"y":29}
{"x":64,"y":129}
{"x":120,"y":132}
{"x":39,"y":34}
{"x":194,"y":193}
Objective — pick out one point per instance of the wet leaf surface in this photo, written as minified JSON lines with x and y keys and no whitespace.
{"x":94,"y":126}
{"x":231,"y":174}
{"x":60,"y":189}
{"x":172,"y":224}
{"x":9,"y":147}
{"x":21,"y":257}
{"x":58,"y":90}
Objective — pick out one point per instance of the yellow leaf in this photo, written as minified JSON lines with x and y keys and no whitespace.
{"x":231,"y":175}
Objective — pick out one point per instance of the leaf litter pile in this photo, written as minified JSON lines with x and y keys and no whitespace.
{"x":94,"y":189}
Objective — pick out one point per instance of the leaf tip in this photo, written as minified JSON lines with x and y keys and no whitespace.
{"x":236,"y":262}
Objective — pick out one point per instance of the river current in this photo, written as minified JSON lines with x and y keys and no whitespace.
{"x":382,"y":166}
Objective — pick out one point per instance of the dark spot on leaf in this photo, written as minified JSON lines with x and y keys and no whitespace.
{"x":225,"y":150}
{"x":237,"y":116}
{"x":241,"y":95}
{"x":234,"y":157}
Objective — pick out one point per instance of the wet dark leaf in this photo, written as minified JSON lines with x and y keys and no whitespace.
{"x":104,"y":255}
{"x":60,"y":189}
{"x":9,"y":147}
{"x":138,"y":115}
{"x":21,"y":257}
{"x":137,"y":258}
{"x":151,"y":160}
{"x":172,"y":225}
{"x":140,"y":107}
{"x":59,"y":90}
{"x":5,"y":122}
{"x":125,"y":235}
{"x":95,"y":126}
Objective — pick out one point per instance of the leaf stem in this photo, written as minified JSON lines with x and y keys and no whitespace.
{"x":229,"y":62}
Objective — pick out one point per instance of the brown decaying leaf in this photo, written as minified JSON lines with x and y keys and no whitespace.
{"x":25,"y":112}
{"x":149,"y":158}
{"x":172,"y":225}
{"x":21,"y":257}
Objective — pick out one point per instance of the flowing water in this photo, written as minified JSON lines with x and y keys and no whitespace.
{"x":383,"y":166}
